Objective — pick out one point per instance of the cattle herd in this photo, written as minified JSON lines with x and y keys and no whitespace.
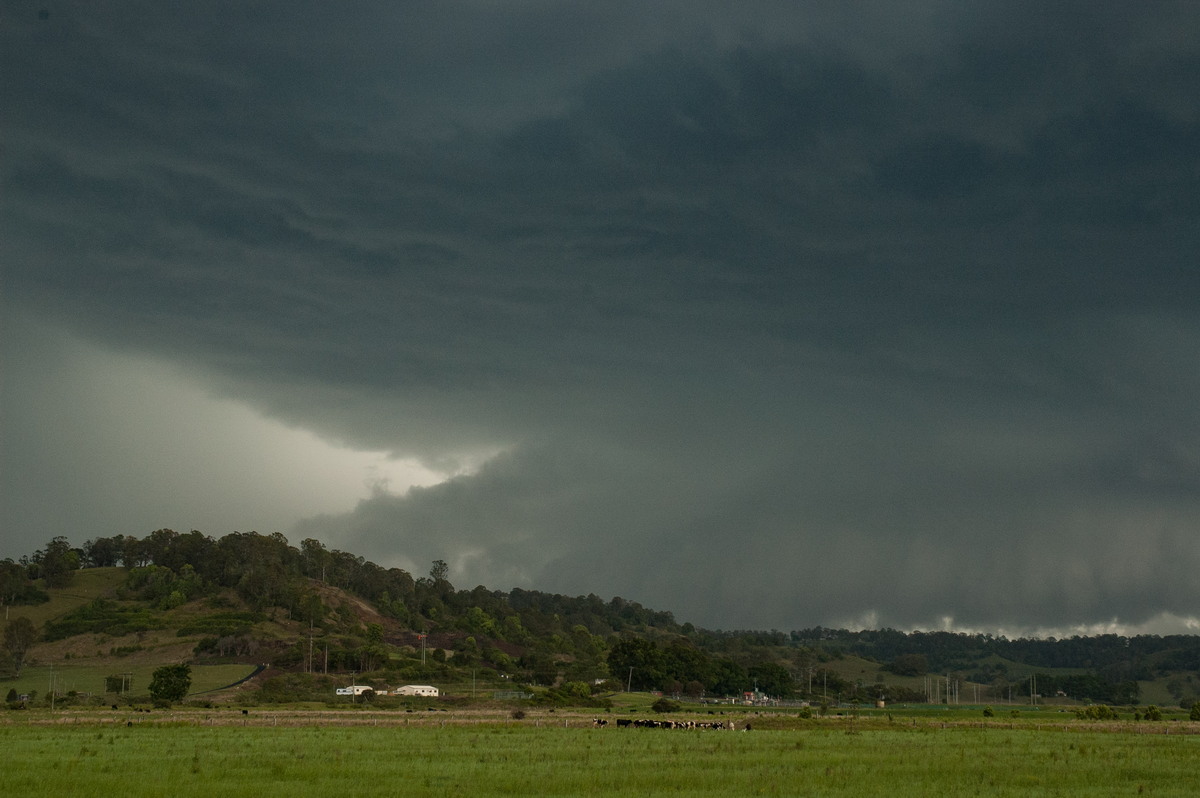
{"x":669,"y":724}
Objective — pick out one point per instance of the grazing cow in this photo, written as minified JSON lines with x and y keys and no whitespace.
{"x":647,"y":723}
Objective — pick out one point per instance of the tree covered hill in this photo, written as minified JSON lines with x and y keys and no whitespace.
{"x":308,"y":609}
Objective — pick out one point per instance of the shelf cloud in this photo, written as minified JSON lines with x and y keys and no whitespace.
{"x":771,"y":315}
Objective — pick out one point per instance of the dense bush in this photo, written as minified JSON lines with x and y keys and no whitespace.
{"x":30,"y":595}
{"x":170,"y":684}
{"x":163,"y":587}
{"x":1096,"y":712}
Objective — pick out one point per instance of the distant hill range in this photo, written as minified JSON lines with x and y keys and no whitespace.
{"x":114,"y":603}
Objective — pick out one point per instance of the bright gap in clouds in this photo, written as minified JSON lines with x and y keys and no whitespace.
{"x":133,"y":444}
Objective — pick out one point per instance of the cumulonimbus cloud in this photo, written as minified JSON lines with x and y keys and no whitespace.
{"x":767,"y":317}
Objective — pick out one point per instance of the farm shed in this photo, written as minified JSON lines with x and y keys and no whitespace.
{"x":417,"y":689}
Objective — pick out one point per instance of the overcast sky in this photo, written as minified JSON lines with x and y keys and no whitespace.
{"x":769,"y":314}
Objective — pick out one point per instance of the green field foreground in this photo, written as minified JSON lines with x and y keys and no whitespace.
{"x":82,"y":756}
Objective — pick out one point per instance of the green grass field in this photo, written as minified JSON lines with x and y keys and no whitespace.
{"x":87,"y":585}
{"x":90,"y":678}
{"x":89,"y":755}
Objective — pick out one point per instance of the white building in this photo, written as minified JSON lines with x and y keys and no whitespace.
{"x":417,"y":689}
{"x":359,"y":689}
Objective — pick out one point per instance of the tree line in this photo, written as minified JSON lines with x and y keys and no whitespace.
{"x":541,"y":637}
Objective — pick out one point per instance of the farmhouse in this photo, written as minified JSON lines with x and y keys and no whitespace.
{"x":417,"y":689}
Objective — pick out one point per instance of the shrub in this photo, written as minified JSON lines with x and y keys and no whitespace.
{"x":1096,"y":712}
{"x":988,"y":712}
{"x":577,"y":689}
{"x":170,"y":683}
{"x":666,"y":705}
{"x":205,"y":644}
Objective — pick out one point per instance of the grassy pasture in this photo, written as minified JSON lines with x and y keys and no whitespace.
{"x":182,"y":756}
{"x":87,"y":585}
{"x":89,"y":678}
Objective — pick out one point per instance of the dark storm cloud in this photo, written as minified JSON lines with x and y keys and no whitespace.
{"x":776,"y":315}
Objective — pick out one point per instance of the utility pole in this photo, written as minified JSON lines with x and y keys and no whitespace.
{"x":629,"y":681}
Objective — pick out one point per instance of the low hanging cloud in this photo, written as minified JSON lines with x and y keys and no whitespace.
{"x":767,"y":316}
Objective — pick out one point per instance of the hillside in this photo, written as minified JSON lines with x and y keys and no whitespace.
{"x":231,"y":606}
